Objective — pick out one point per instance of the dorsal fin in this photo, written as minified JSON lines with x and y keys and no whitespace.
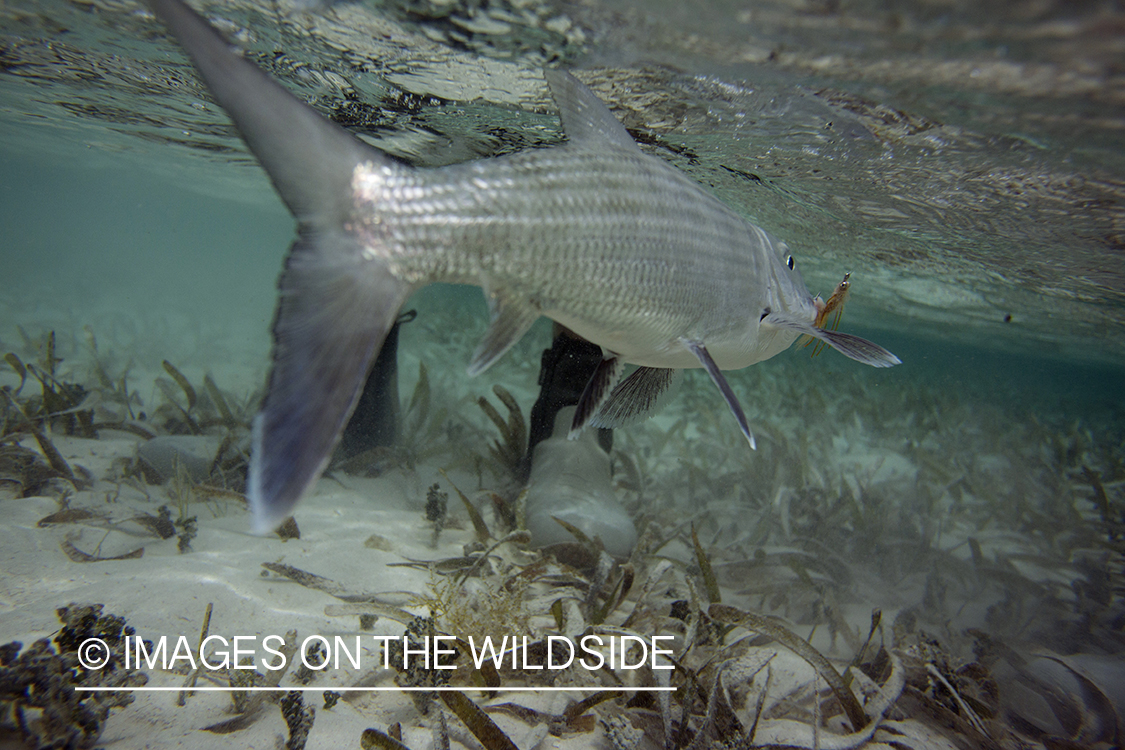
{"x":584,"y":117}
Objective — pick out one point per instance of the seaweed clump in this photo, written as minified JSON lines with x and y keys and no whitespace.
{"x":437,"y":507}
{"x":37,"y":684}
{"x":24,"y":473}
{"x":61,"y":406}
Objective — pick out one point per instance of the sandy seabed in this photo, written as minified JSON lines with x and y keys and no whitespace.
{"x":988,"y":539}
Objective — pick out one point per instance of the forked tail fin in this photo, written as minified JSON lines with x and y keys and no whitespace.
{"x":309,"y":159}
{"x":337,"y":301}
{"x":334,"y":310}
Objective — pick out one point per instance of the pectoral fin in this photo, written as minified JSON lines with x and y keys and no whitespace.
{"x":510,"y":320}
{"x":637,"y":397}
{"x":716,"y":374}
{"x":334,"y":311}
{"x":597,"y":391}
{"x":853,"y":347}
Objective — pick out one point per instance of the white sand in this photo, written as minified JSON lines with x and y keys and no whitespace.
{"x":833,"y":435}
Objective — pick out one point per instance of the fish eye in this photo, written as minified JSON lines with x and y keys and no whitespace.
{"x":789,"y":261}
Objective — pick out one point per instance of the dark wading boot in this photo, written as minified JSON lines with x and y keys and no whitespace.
{"x":571,"y":479}
{"x":374,"y":423}
{"x":563,"y":373}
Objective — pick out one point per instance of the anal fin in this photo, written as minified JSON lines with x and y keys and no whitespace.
{"x":637,"y":397}
{"x":716,"y":374}
{"x":511,"y":317}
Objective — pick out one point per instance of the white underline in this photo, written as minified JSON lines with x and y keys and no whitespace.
{"x":367,"y":689}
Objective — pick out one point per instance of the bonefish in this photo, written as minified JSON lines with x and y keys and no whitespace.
{"x":616,"y":245}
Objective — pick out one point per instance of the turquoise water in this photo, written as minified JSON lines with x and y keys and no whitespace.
{"x":962,"y":161}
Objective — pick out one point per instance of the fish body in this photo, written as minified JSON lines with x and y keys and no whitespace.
{"x":614,"y":244}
